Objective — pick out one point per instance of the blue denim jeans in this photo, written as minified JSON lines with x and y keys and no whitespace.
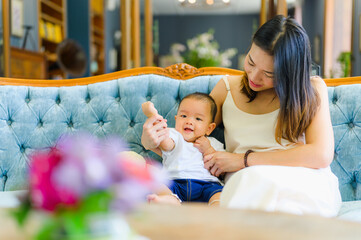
{"x":193,"y":190}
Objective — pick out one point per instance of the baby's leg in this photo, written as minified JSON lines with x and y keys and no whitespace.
{"x":164,"y":196}
{"x":214,"y":200}
{"x":163,"y":199}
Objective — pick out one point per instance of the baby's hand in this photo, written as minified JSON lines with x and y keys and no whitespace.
{"x":149,"y":109}
{"x":202,"y":144}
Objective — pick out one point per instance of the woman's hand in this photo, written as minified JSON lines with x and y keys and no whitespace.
{"x":202,"y":144}
{"x":154,"y":132}
{"x":221,"y":162}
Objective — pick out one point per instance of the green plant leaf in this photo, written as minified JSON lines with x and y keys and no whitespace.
{"x":74,"y":224}
{"x":51,"y":228}
{"x":21,"y":213}
{"x":345,"y":61}
{"x":96,"y":202}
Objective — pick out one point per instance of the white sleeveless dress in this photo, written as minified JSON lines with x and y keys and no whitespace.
{"x":296,"y":190}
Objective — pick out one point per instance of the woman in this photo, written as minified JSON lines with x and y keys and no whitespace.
{"x":278,"y":132}
{"x":277,"y":119}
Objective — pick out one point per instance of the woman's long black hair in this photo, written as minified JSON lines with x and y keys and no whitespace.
{"x":288,"y":43}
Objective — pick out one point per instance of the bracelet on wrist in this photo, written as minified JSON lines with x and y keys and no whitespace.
{"x":246,"y":157}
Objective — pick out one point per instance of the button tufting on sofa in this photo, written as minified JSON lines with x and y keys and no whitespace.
{"x":57,"y":101}
{"x":87,"y":99}
{"x":22,"y":149}
{"x":101,"y":123}
{"x":351,"y":125}
{"x":358,"y":178}
{"x":70,"y":124}
{"x":27,"y":100}
{"x":335,"y":153}
{"x":9,"y":122}
{"x":334,"y":100}
{"x":40,"y":124}
{"x":117,"y":99}
{"x":4,"y":175}
{"x":131,"y":124}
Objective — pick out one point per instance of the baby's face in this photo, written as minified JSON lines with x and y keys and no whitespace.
{"x":193,"y":119}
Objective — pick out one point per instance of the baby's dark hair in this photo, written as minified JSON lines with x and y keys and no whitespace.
{"x":206,"y":98}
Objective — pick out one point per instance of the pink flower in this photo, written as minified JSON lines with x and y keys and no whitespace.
{"x":44,"y":193}
{"x":133,"y":169}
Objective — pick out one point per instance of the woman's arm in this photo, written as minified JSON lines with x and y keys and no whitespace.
{"x":316,"y":153}
{"x":319,"y":148}
{"x":219,"y":94}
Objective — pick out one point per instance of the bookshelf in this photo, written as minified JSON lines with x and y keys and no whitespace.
{"x":52,"y":31}
{"x":97,"y":37}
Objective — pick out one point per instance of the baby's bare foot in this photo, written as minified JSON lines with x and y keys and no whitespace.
{"x":163,"y":199}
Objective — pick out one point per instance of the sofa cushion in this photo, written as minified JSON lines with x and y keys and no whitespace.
{"x":345,"y":109}
{"x":350,"y":211}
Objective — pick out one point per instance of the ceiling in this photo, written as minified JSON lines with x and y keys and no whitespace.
{"x":173,"y":7}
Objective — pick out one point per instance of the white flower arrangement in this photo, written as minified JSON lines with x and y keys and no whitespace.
{"x":203,"y":51}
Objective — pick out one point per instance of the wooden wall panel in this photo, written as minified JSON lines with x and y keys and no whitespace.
{"x":126,"y":34}
{"x":148,"y":22}
{"x":135,"y":33}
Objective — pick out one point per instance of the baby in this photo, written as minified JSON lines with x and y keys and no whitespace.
{"x":182,"y":152}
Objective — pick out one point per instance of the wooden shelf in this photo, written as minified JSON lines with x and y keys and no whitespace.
{"x":97,"y":34}
{"x":49,"y":42}
{"x":57,"y":2}
{"x":98,"y":40}
{"x":53,"y":6}
{"x":51,"y":19}
{"x":52,"y":57}
{"x":98,"y":31}
{"x":52,"y":16}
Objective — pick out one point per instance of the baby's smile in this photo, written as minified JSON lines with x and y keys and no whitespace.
{"x":188,"y":129}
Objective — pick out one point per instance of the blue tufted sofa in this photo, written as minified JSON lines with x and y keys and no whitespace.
{"x":34,"y":113}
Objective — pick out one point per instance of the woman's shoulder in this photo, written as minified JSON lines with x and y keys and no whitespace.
{"x":317,"y":80}
{"x":235,"y":80}
{"x":228,"y":81}
{"x":318,"y":83}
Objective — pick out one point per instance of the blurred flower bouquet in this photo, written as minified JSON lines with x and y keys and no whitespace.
{"x":81,"y":180}
{"x":203,"y":51}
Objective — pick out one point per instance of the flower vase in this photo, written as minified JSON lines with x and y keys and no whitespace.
{"x":109,"y":227}
{"x":100,"y":227}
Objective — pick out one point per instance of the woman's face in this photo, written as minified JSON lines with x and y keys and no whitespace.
{"x":259,"y":68}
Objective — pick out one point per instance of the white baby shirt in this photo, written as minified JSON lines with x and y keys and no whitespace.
{"x":185,"y":161}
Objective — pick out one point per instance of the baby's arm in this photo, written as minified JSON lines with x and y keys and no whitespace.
{"x":204,"y":146}
{"x":149,"y":111}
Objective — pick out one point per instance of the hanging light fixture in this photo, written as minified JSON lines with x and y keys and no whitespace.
{"x":204,"y":4}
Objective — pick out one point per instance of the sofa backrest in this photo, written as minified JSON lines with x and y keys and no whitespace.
{"x":345,"y":110}
{"x":33,"y":114}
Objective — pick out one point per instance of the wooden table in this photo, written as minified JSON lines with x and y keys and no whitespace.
{"x":198,"y":221}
